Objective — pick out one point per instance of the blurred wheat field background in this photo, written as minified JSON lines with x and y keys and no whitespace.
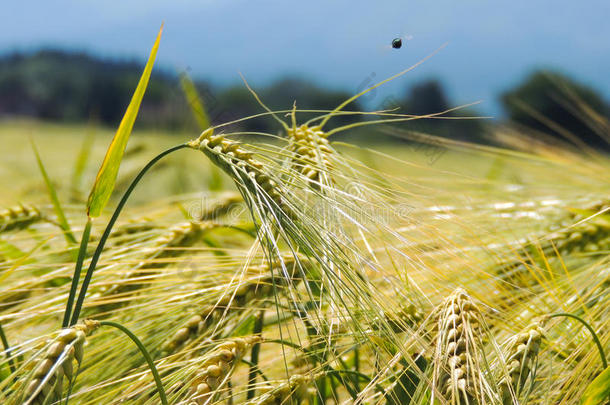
{"x":295,"y":267}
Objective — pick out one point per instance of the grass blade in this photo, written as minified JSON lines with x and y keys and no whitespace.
{"x":145,"y":354}
{"x":598,"y":391}
{"x":201,"y":116}
{"x":81,"y":161}
{"x":59,"y":212}
{"x":106,"y":177}
{"x":194,"y":102}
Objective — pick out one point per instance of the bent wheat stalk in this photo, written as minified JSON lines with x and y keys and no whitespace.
{"x":74,"y":315}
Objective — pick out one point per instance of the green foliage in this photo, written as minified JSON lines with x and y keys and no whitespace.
{"x":106,"y":177}
{"x":598,"y":392}
{"x":404,"y":389}
{"x":426,"y":97}
{"x":59,"y":212}
{"x":194,"y":102}
{"x":546,"y":100}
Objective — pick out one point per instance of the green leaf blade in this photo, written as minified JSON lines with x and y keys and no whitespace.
{"x":194,"y":101}
{"x":59,"y":212}
{"x":106,"y":176}
{"x":598,"y":391}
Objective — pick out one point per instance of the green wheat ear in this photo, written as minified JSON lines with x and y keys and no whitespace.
{"x":521,"y":357}
{"x":48,"y":377}
{"x":458,"y":360}
{"x":280,"y":201}
{"x":20,"y":217}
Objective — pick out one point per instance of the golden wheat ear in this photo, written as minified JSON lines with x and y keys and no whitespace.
{"x":284,"y":125}
{"x":363,"y":92}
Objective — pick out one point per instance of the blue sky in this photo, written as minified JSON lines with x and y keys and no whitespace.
{"x":338,"y":43}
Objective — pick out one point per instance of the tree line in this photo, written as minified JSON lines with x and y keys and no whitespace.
{"x":75,"y":87}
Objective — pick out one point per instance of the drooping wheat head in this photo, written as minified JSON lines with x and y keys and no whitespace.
{"x":240,"y":164}
{"x":47,"y":378}
{"x":521,"y":353}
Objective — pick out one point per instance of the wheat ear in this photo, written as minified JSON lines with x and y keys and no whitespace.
{"x":457,"y":360}
{"x":237,"y":162}
{"x":311,"y":151}
{"x":217,"y":367}
{"x":19,"y":217}
{"x":521,"y":355}
{"x":165,"y":246}
{"x":577,"y":233}
{"x":296,"y":387}
{"x":580,"y":233}
{"x":57,"y":362}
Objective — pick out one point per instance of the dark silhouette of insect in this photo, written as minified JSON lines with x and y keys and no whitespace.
{"x":397,"y":43}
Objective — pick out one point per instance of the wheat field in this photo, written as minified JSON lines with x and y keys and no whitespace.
{"x":293,"y":268}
